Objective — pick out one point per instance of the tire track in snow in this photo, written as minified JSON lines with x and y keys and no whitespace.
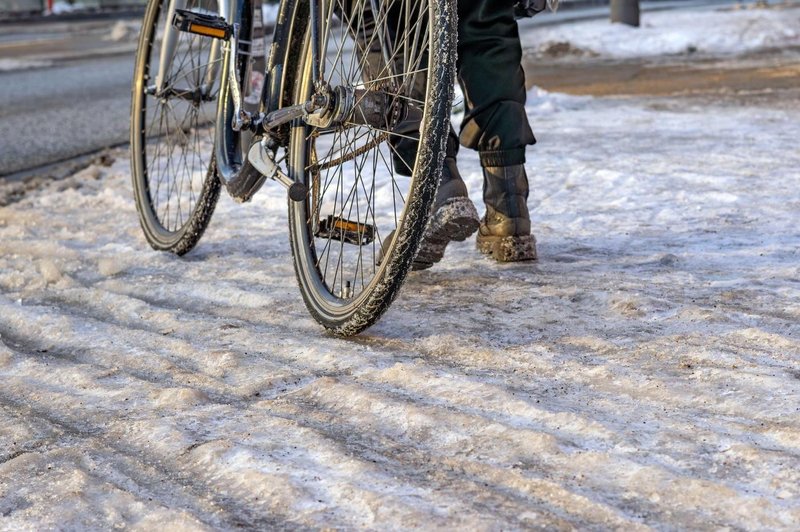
{"x":490,"y":494}
{"x":651,"y":399}
{"x":423,"y":431}
{"x":145,"y":475}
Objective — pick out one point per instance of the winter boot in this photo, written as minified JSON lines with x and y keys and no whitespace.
{"x":505,"y":231}
{"x":453,"y":217}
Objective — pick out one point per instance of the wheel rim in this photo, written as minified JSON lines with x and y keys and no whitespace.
{"x":173,"y":130}
{"x":367,"y":188}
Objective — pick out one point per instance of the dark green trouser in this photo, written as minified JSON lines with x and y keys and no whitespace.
{"x":493,"y":83}
{"x":491,"y":77}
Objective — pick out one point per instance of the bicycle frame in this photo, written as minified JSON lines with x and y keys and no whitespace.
{"x":244,"y":177}
{"x":227,"y":9}
{"x":170,"y":42}
{"x":246,"y":139}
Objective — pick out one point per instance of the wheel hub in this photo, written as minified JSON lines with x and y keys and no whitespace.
{"x":343,"y":106}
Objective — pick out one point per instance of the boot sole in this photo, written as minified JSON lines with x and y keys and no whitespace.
{"x":455,"y":220}
{"x":508,"y":248}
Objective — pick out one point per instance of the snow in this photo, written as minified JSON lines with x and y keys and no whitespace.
{"x":270,"y":13}
{"x":646,"y":368}
{"x":124,"y":31}
{"x":644,"y":372}
{"x":9,"y":65}
{"x":725,"y":30}
{"x":60,"y":8}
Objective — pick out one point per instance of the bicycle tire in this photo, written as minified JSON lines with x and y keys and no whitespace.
{"x":337,"y":304}
{"x":175,"y":181}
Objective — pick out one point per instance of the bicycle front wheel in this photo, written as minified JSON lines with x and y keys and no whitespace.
{"x":371,"y":182}
{"x":173,"y":107}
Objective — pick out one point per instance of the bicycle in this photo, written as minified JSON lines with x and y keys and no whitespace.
{"x":348,"y":109}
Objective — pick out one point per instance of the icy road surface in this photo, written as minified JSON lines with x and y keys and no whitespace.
{"x":646,"y":371}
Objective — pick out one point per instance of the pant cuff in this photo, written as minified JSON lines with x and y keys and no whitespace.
{"x":512,"y":157}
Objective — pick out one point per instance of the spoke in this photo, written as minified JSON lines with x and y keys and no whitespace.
{"x":394,"y":76}
{"x":392,"y":59}
{"x":175,"y":164}
{"x":390,"y":133}
{"x":157,"y":158}
{"x":380,"y":45}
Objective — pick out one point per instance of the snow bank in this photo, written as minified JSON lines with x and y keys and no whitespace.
{"x":60,"y":8}
{"x":22,"y":64}
{"x":720,"y":31}
{"x":124,"y":31}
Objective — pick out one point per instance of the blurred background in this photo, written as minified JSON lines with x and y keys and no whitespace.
{"x":22,"y":8}
{"x":65,"y":66}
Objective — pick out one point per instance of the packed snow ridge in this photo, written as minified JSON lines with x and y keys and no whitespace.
{"x":725,"y":30}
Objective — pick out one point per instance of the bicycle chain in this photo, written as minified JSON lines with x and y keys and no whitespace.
{"x":349,"y":157}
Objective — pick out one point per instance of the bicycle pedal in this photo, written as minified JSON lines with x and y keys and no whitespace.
{"x":337,"y":228}
{"x":202,"y":24}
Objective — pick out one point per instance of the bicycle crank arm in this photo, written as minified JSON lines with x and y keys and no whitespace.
{"x":261,"y":159}
{"x":279,"y":117}
{"x":284,"y":115}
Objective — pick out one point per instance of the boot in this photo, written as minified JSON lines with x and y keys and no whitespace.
{"x":453,"y":217}
{"x":505,"y":231}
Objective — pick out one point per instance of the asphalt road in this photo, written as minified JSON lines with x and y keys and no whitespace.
{"x":63,"y":111}
{"x":64,"y":89}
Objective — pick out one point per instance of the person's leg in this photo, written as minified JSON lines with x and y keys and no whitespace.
{"x":493,"y":82}
{"x":505,"y":230}
{"x":453,"y":216}
{"x":495,"y":123}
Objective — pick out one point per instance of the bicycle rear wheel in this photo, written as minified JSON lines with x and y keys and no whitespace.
{"x":370,"y":184}
{"x":174,"y":176}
